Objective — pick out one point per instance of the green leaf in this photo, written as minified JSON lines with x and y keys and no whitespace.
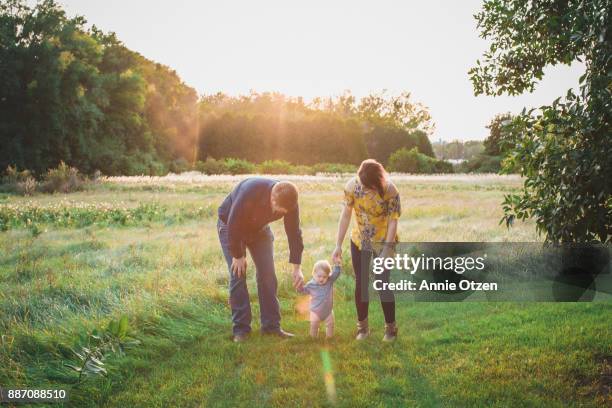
{"x":123,"y":327}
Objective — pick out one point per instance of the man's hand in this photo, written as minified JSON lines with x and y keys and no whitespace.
{"x":337,"y":255}
{"x":239,"y":266}
{"x":298,"y":277}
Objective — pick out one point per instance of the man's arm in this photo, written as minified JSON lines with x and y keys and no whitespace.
{"x":294,"y":236}
{"x":291,"y":221}
{"x":237,"y":248}
{"x":234,"y":228}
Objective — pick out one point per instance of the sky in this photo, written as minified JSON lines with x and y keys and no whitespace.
{"x":321,"y":48}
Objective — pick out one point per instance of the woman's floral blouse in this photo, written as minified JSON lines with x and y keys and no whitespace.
{"x":372,"y":211}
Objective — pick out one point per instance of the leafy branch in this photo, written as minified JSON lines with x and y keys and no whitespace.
{"x":99,"y":345}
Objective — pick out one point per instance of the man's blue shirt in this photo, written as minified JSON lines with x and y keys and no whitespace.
{"x":247,"y":209}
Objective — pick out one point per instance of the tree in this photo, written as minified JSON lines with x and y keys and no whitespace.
{"x":497,"y":131}
{"x":563,"y":150}
{"x":78,"y":95}
{"x":397,"y":110}
{"x":472,"y":148}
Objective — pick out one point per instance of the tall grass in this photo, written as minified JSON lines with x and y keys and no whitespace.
{"x":152,"y":255}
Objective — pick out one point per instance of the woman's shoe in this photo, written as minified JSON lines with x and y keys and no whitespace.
{"x":363,"y":331}
{"x":390,"y":332}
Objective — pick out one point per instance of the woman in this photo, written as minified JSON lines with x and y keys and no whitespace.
{"x":376,"y":202}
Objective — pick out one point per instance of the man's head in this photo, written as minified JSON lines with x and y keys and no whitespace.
{"x":284,"y":197}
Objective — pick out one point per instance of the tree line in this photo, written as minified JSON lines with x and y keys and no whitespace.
{"x":78,"y":95}
{"x":268,"y":126}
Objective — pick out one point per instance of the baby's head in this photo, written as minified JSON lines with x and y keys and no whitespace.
{"x":321,"y":272}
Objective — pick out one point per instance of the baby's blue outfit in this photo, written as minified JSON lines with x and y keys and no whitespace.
{"x":322,"y":296}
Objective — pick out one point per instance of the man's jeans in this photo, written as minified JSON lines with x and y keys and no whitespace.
{"x":261,"y":248}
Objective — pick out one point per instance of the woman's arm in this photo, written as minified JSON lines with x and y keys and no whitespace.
{"x":392,"y":221}
{"x":388,"y":248}
{"x":391,"y":231}
{"x":343,"y":224}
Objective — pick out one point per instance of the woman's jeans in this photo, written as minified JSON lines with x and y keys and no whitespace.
{"x":260,"y":246}
{"x":362,"y":275}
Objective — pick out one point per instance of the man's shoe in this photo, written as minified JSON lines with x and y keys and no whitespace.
{"x":240,"y":337}
{"x":279,"y":333}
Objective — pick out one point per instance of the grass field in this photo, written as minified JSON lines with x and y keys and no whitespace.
{"x":147,"y":248}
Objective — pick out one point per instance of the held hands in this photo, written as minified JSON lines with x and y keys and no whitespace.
{"x":298,"y":277}
{"x":337,"y":255}
{"x":239,"y":266}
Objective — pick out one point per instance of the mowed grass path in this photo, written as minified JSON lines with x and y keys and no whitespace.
{"x":168,"y":276}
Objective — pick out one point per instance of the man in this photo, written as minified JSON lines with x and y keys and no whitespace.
{"x":243,"y":222}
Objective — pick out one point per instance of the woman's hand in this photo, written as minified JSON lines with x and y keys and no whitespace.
{"x":239,"y":266}
{"x":337,"y":255}
{"x":387,"y":252}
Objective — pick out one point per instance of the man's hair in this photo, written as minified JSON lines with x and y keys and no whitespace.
{"x":322,"y":265}
{"x":286,"y":195}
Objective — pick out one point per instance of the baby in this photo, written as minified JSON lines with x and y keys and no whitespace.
{"x":321,"y":291}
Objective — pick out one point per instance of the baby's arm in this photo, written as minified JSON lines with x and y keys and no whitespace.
{"x":305,"y":290}
{"x":335,"y":272}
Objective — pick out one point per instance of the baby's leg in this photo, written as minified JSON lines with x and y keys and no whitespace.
{"x":329,"y":325}
{"x":314,"y":324}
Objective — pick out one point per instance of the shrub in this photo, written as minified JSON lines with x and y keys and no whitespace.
{"x":21,"y":182}
{"x":275,"y":167}
{"x":303,"y":170}
{"x":211,"y":166}
{"x":63,"y":179}
{"x":179,"y":165}
{"x":442,"y":166}
{"x":27,"y":187}
{"x":334,"y":168}
{"x":482,"y":163}
{"x":239,"y":166}
{"x":407,"y":161}
{"x":411,"y":161}
{"x":12,"y":175}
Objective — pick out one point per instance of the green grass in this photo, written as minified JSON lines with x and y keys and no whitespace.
{"x":165,"y":272}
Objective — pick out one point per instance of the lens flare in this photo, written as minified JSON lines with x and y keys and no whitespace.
{"x":328,"y":376}
{"x":302,"y":307}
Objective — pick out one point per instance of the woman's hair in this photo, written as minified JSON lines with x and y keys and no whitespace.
{"x":372,"y":175}
{"x":323,"y":265}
